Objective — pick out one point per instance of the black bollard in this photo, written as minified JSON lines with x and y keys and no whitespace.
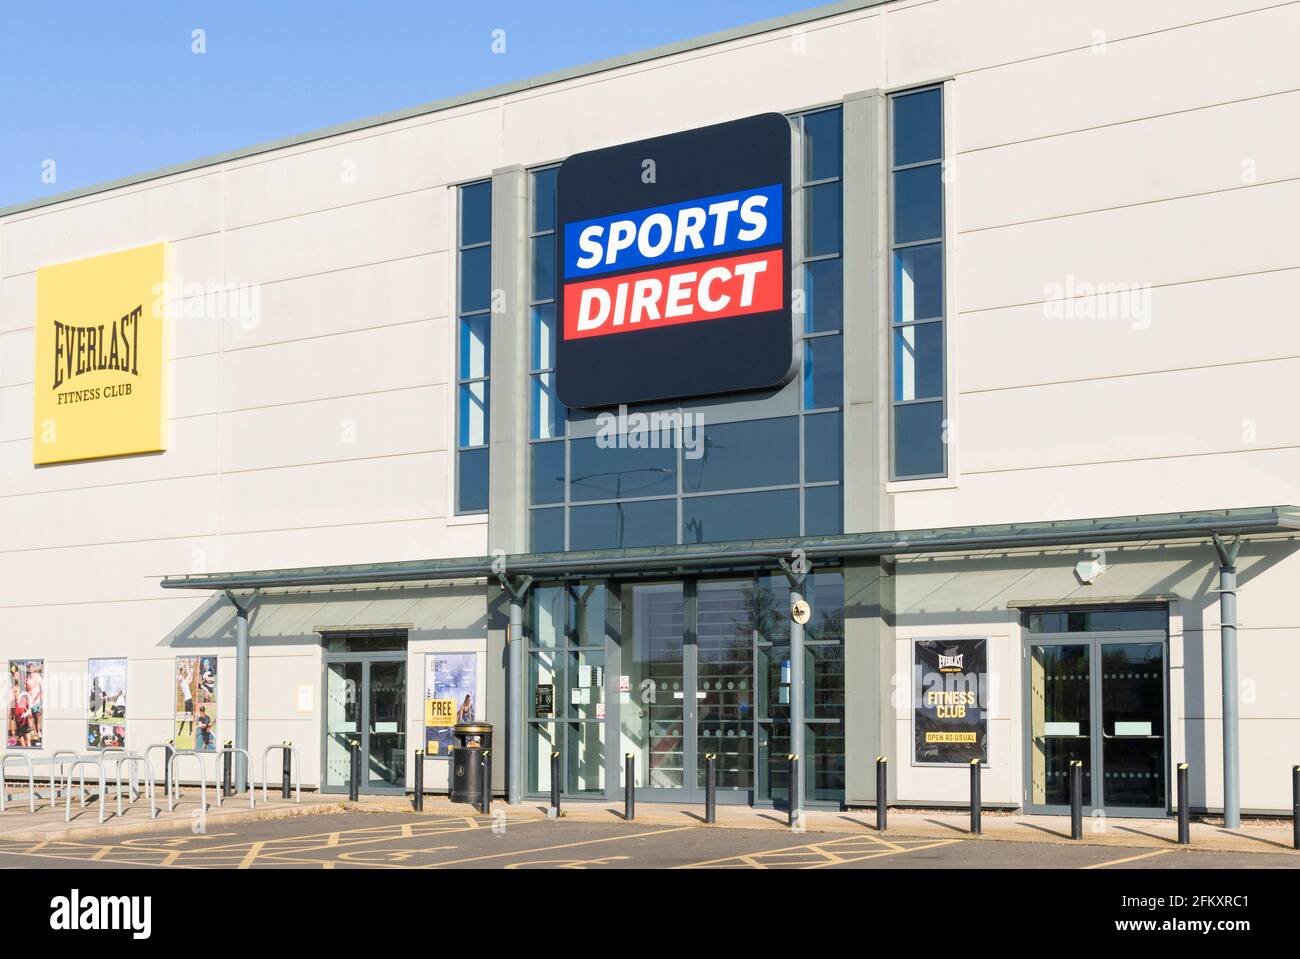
{"x":354,"y":772}
{"x":286,"y":771}
{"x":975,"y":809}
{"x":419,"y":780}
{"x":1184,"y":813}
{"x":1295,"y":807}
{"x":793,"y":803}
{"x":629,"y":787}
{"x":882,"y":793}
{"x":1076,"y":799}
{"x":485,"y":793}
{"x":711,"y":788}
{"x":168,"y":753}
{"x":555,"y":783}
{"x":227,"y":787}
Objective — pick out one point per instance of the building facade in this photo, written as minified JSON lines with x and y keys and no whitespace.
{"x":1034,"y":446}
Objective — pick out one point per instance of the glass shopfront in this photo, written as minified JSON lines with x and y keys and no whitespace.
{"x":674,"y":671}
{"x":1096,"y":693}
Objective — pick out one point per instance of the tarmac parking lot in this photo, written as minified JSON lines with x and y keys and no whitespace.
{"x":355,"y":840}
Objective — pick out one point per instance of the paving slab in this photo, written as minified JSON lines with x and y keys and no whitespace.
{"x":1269,"y":836}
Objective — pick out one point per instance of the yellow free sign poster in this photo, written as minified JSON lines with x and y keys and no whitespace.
{"x":100,"y":349}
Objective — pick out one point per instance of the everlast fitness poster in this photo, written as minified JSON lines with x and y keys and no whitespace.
{"x":950,"y":701}
{"x":675,"y":265}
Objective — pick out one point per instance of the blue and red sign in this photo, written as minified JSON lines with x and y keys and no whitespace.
{"x":674,"y":266}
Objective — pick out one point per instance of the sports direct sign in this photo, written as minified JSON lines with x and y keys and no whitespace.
{"x":675,"y":258}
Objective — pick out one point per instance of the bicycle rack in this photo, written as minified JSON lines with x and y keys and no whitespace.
{"x":83,"y":761}
{"x":175,"y":787}
{"x":131,"y":759}
{"x":31,"y":779}
{"x":297,"y":768}
{"x":252,"y":785}
{"x":148,"y":755}
{"x":54,"y":760}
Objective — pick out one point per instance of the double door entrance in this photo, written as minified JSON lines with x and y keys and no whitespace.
{"x":365,"y":702}
{"x":1099,"y":700}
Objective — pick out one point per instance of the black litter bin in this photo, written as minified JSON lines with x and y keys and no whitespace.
{"x":467,"y":761}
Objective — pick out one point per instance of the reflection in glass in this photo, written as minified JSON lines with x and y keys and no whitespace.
{"x":342,"y":719}
{"x":748,"y":453}
{"x":651,"y":715}
{"x":918,"y":283}
{"x":1060,"y":720}
{"x":615,"y":525}
{"x":1133,"y":724}
{"x":918,"y":361}
{"x":725,"y":677}
{"x":387,"y":739}
{"x":736,"y":516}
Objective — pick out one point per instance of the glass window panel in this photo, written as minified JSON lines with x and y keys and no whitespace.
{"x":1108,"y":619}
{"x":823,"y":372}
{"x":547,"y":472}
{"x":773,"y":767}
{"x":918,"y":361}
{"x":623,"y":524}
{"x":476,"y":213}
{"x":476,"y":279}
{"x":918,"y":439}
{"x":544,"y":336}
{"x":772,"y":611}
{"x":471,"y":481}
{"x":543,"y":267}
{"x":749,"y":453}
{"x":545,"y":668}
{"x":652,"y":720}
{"x":918,"y":283}
{"x":823,"y":145}
{"x":546,"y":620}
{"x":713,"y":519}
{"x":546,"y":530}
{"x":336,"y":642}
{"x":825,"y":594}
{"x":823,"y":511}
{"x":824,"y":681}
{"x":918,"y":204}
{"x":586,"y":614}
{"x":585,"y":759}
{"x":823,"y":447}
{"x":473,"y":414}
{"x":824,"y":771}
{"x":614,"y":472}
{"x":725,"y":681}
{"x":542,"y":741}
{"x":544,"y":200}
{"x":1060,"y":718}
{"x":823,"y":295}
{"x":585,"y":684}
{"x":1133,"y":724}
{"x":548,"y":411}
{"x":475,"y":333}
{"x":918,"y":126}
{"x":824,"y":215}
{"x":774,"y":679}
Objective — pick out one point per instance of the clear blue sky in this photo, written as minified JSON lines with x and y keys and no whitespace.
{"x":111,"y":89}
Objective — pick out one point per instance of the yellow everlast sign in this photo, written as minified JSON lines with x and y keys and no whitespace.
{"x":100,"y":348}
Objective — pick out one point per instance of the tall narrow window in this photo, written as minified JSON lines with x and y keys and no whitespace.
{"x":823,"y":319}
{"x":546,"y":414}
{"x":917,"y":297}
{"x":473,"y":345}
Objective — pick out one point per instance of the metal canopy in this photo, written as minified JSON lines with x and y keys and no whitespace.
{"x":704,"y":557}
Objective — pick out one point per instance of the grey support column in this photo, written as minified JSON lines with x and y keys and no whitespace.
{"x":796,"y":574}
{"x":867,"y":506}
{"x":508,"y":425}
{"x":517,"y":592}
{"x":241,"y":689}
{"x":1228,"y":646}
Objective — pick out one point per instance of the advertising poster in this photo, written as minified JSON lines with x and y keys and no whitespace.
{"x":950,"y":706}
{"x":25,"y":705}
{"x":195,"y":689}
{"x":450,"y":697}
{"x":106,"y":711}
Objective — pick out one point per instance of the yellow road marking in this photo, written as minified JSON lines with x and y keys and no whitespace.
{"x":567,"y":863}
{"x":839,"y":860}
{"x":251,"y":856}
{"x":564,"y":845}
{"x":1116,"y":862}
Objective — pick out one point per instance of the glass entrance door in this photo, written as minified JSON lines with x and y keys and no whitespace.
{"x":365,"y":701}
{"x":653,"y":715}
{"x":1100,"y":701}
